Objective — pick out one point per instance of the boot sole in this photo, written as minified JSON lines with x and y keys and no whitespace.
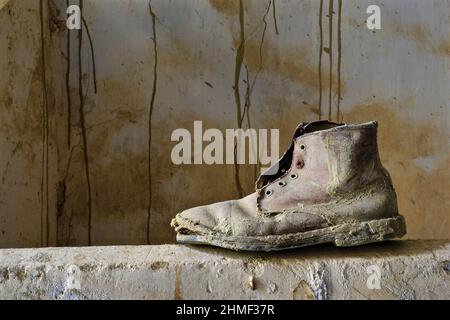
{"x":343,"y":235}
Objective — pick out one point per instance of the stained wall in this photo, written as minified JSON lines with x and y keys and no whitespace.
{"x":86,"y":145}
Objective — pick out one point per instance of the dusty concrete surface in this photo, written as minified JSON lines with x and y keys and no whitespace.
{"x":405,"y":269}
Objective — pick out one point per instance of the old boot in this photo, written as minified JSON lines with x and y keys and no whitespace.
{"x":329,"y":186}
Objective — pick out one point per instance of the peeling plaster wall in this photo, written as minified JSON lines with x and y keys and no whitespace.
{"x":209,"y":59}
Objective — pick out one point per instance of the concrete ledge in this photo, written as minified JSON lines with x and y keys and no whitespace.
{"x":407,"y":270}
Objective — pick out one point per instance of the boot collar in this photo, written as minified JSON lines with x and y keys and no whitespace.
{"x":283,"y":165}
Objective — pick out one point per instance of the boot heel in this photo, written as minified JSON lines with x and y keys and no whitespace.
{"x":371,"y":231}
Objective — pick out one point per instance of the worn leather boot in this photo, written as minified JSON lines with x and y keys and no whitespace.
{"x":329,"y":186}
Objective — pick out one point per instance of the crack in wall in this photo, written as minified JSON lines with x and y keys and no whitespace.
{"x":91,"y":47}
{"x":246,"y":113}
{"x":251,"y":84}
{"x":45,"y":133}
{"x":150,"y":117}
{"x":247,"y":98}
{"x":274,"y":11}
{"x":237,"y":95}
{"x":61,"y":199}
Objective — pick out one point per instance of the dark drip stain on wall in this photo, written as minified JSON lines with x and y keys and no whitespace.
{"x":150,"y":116}
{"x":84,"y":136}
{"x":320,"y":55}
{"x":338,"y":110}
{"x":68,"y":74}
{"x":330,"y":54}
{"x":45,"y":134}
{"x":64,"y":214}
{"x":330,"y":51}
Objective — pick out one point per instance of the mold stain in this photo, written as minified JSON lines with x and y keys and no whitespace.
{"x":45,"y":135}
{"x":227,"y":7}
{"x":443,"y":48}
{"x":423,"y":38}
{"x":300,"y":72}
{"x":150,"y":116}
{"x":82,"y":123}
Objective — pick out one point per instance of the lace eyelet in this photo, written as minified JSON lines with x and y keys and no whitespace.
{"x":268,"y":193}
{"x":302,"y":147}
{"x":282,"y":183}
{"x":294,"y":176}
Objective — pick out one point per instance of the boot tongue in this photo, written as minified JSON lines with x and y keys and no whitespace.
{"x":285,"y":162}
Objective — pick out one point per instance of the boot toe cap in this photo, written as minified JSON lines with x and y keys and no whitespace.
{"x":195,"y":220}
